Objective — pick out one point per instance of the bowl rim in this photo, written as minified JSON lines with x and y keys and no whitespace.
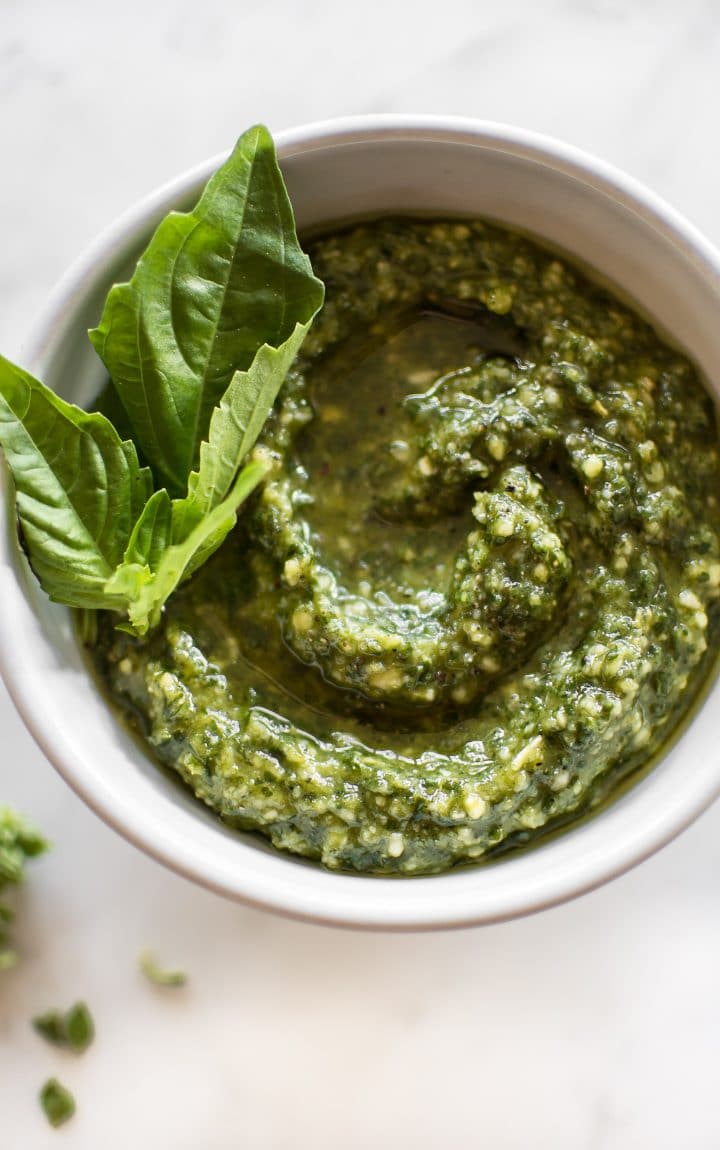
{"x":448,"y":908}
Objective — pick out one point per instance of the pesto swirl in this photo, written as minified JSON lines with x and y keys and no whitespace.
{"x":505,"y":591}
{"x":480,"y":585}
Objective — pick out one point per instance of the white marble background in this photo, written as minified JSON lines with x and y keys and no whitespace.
{"x":592,"y":1027}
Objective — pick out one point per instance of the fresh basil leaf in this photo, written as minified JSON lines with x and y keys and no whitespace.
{"x":79,"y":488}
{"x":146,"y":588}
{"x":213,"y":287}
{"x":108,"y":404}
{"x":235,"y":425}
{"x":152,"y":533}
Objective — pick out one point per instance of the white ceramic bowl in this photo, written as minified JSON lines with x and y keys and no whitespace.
{"x":334,"y":171}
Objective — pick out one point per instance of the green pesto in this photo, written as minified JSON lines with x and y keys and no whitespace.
{"x":480,"y":584}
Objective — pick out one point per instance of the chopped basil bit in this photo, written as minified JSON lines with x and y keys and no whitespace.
{"x":73,"y":1029}
{"x":57,"y":1102}
{"x":158,"y":975}
{"x":8,"y":958}
{"x":19,"y":841}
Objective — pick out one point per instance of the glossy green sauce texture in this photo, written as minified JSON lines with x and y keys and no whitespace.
{"x":480,"y":585}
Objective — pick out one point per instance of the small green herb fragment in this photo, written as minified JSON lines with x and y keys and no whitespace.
{"x":19,"y":841}
{"x":157,"y":975}
{"x":57,"y":1102}
{"x":72,"y":1030}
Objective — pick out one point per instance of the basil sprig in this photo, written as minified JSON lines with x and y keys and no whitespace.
{"x":197,"y":346}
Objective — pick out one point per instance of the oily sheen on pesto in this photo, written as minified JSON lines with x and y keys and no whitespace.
{"x":479,"y":585}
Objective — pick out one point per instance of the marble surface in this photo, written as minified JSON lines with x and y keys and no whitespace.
{"x":595,"y":1026}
